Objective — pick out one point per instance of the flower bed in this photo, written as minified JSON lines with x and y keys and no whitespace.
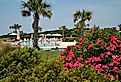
{"x":99,"y":49}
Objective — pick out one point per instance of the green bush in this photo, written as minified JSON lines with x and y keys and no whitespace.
{"x":84,"y":74}
{"x":29,"y":65}
{"x":13,"y":66}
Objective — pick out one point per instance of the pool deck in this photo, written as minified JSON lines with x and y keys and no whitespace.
{"x":62,"y":45}
{"x":53,"y":47}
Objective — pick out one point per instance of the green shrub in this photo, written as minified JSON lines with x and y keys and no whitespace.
{"x":29,"y":65}
{"x":17,"y":63}
{"x":84,"y":74}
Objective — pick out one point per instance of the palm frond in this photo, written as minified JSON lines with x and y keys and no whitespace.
{"x":76,"y":15}
{"x":15,"y":26}
{"x":46,"y":13}
{"x":25,"y":13}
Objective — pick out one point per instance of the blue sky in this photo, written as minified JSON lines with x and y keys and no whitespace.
{"x":105,"y":13}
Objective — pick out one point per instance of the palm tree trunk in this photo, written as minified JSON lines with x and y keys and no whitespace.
{"x":15,"y":30}
{"x":63,"y":34}
{"x":82,"y":27}
{"x":35,"y":44}
{"x":18,"y":36}
{"x":35,"y":28}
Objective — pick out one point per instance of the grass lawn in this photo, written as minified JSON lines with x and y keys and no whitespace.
{"x":51,"y":55}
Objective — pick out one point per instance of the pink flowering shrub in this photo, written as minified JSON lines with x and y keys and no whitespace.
{"x":99,"y":49}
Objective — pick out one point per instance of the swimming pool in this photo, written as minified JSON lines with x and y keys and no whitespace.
{"x":40,"y":44}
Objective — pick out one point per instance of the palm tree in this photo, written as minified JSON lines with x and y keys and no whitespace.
{"x":63,"y":29}
{"x":80,"y":17}
{"x":119,"y":27}
{"x":16,"y":27}
{"x":37,"y":8}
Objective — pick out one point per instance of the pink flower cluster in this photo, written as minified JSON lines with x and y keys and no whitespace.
{"x":108,"y":60}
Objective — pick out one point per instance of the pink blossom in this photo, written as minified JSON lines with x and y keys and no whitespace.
{"x":120,"y":45}
{"x":114,"y":57}
{"x":108,"y":48}
{"x":68,"y":48}
{"x":92,"y":59}
{"x":99,"y":40}
{"x":65,"y":68}
{"x":70,"y":64}
{"x":98,"y":59}
{"x":71,"y":54}
{"x":116,"y":76}
{"x":79,"y":59}
{"x":115,"y":69}
{"x":114,"y":42}
{"x":105,"y":66}
{"x":100,"y":70}
{"x":62,"y":53}
{"x":66,"y":64}
{"x":104,"y":44}
{"x":112,"y":47}
{"x":102,"y":55}
{"x":88,"y":60}
{"x":111,"y":64}
{"x":92,"y":66}
{"x":118,"y":58}
{"x":90,"y":46}
{"x":115,"y":62}
{"x":107,"y":54}
{"x":119,"y":41}
{"x":113,"y":38}
{"x":98,"y":66}
{"x":82,"y":42}
{"x":69,"y":58}
{"x":109,"y":75}
{"x":77,"y":63}
{"x":78,"y":47}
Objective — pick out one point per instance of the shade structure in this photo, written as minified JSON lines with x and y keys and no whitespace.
{"x":13,"y":34}
{"x":53,"y":35}
{"x":56,"y":35}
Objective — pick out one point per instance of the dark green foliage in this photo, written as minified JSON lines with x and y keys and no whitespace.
{"x":18,"y":64}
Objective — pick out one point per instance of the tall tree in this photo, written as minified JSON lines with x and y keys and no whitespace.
{"x":16,"y":27}
{"x":80,"y":17}
{"x":119,"y":27}
{"x":63,"y":29}
{"x":37,"y":8}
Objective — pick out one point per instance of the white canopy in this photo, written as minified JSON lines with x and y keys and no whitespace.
{"x":56,"y":35}
{"x":13,"y":34}
{"x":53,"y":35}
{"x":49,"y":35}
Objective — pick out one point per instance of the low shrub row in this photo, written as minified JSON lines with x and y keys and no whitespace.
{"x":29,"y":65}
